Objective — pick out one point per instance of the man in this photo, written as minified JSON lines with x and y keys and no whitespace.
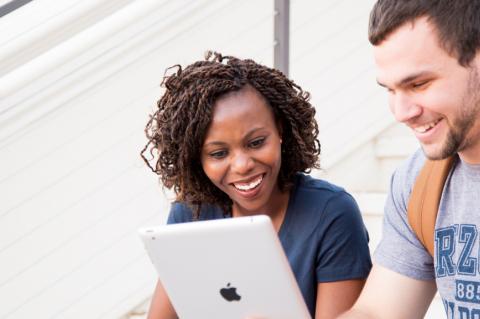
{"x":427,"y":57}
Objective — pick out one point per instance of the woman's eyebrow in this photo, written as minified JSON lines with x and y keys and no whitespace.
{"x":249,"y":133}
{"x":214,"y":143}
{"x":254,"y":130}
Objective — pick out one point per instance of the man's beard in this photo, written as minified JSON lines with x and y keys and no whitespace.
{"x":456,"y":139}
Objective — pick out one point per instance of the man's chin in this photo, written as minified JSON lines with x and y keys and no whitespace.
{"x":435,"y":153}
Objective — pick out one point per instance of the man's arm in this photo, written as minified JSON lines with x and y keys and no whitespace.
{"x":388,"y":294}
{"x":334,"y":298}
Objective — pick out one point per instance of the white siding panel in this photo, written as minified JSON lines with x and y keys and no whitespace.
{"x":242,"y":28}
{"x":47,"y":23}
{"x":331,"y":58}
{"x":67,"y":250}
{"x":108,"y":292}
{"x":75,"y":187}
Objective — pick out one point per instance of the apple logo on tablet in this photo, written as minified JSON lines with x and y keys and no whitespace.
{"x":230,"y":293}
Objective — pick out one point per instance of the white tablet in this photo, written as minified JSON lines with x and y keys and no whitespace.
{"x":227,"y":268}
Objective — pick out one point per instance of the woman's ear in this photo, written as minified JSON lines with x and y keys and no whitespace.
{"x":280,"y":130}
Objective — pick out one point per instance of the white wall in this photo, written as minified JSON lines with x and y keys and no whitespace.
{"x":78,"y":80}
{"x":74,"y":187}
{"x":331,"y":58}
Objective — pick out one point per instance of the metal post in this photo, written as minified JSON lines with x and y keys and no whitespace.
{"x":281,"y":35}
{"x":11,"y":6}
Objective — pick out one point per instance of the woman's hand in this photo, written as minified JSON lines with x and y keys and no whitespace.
{"x":160,"y":306}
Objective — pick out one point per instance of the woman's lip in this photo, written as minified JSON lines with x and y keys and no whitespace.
{"x":250,"y":193}
{"x":248,"y":180}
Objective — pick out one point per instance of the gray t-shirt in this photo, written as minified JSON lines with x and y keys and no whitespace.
{"x":456,"y":266}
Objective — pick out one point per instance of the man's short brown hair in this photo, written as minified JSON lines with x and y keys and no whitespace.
{"x":456,"y":21}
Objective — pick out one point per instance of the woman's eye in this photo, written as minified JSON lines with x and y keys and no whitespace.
{"x":218,"y":154}
{"x":257,"y":143}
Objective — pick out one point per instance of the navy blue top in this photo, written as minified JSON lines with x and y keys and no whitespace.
{"x":322,"y":234}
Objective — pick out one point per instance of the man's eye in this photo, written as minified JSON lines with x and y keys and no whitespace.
{"x":218,"y":154}
{"x":418,"y":85}
{"x":257,"y":142}
{"x":389,"y":90}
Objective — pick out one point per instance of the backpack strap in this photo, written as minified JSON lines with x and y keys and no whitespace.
{"x":425,"y":199}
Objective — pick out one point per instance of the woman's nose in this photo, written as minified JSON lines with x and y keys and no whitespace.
{"x":242,"y":163}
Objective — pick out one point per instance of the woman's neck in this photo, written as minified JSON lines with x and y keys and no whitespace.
{"x":276,"y":209}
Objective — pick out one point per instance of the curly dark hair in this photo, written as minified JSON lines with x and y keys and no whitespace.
{"x":176,"y":131}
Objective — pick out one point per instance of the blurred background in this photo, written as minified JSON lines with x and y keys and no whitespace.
{"x":78,"y":80}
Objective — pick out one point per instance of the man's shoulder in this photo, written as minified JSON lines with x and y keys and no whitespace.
{"x":399,"y":250}
{"x":405,"y":175}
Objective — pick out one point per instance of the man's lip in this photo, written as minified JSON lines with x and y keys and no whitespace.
{"x":433,"y":123}
{"x":430,"y":135}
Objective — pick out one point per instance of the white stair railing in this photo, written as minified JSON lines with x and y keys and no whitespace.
{"x":43,"y":84}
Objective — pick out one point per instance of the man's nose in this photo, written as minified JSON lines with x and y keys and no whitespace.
{"x":404,"y":107}
{"x":242,"y":163}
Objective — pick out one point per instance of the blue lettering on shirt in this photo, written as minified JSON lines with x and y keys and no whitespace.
{"x":467,"y":265}
{"x":445,"y":245}
{"x":467,"y":291}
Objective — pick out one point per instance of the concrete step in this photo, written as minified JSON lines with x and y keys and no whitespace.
{"x":436,"y":309}
{"x":139,"y":312}
{"x":370,"y":203}
{"x":395,"y":146}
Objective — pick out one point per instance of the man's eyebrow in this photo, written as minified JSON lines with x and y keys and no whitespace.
{"x":407,"y":79}
{"x":381,"y":84}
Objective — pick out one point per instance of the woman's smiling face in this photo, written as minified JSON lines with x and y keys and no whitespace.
{"x":241,"y":153}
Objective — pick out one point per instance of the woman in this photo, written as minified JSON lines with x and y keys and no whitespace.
{"x":234,"y":138}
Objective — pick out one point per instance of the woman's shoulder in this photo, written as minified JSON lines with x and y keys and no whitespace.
{"x":320,"y":207}
{"x":321,"y":195}
{"x":181,"y":212}
{"x":318,"y":186}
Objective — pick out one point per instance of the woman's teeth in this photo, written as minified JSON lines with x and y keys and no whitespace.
{"x":249,"y":186}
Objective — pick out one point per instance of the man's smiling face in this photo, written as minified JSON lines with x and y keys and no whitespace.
{"x":430,"y":91}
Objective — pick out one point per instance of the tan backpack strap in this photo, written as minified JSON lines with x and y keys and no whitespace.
{"x":425,"y":199}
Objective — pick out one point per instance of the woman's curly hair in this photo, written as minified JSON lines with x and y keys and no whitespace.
{"x":176,"y":131}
